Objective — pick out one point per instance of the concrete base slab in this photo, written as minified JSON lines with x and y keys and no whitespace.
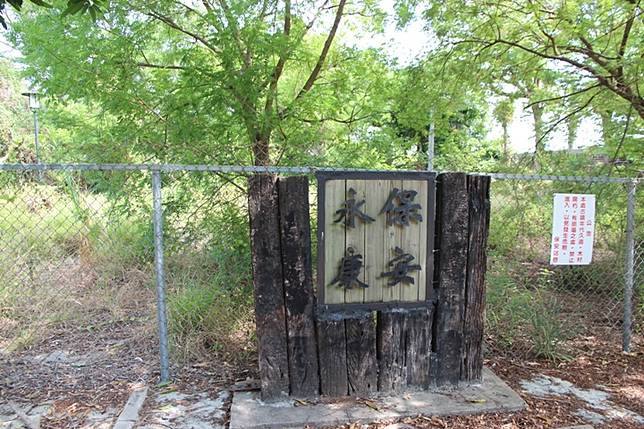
{"x":492,"y":395}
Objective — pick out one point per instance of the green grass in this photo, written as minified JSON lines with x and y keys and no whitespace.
{"x":210,"y":303}
{"x":523,"y":312}
{"x":57,"y":249}
{"x":66,"y":253}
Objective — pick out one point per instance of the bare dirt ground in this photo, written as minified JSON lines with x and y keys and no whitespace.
{"x":85,"y":374}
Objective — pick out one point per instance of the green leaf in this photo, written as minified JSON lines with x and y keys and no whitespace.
{"x":17,"y":4}
{"x":92,"y":12}
{"x":73,"y":7}
{"x":41,"y":3}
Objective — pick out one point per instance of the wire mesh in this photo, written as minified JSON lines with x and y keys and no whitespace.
{"x":534,"y":308}
{"x":77,"y":249}
{"x":208,"y":273}
{"x":76,"y":253}
{"x":638,"y":264}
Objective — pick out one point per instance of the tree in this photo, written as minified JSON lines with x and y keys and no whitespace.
{"x":435,"y":93}
{"x":570,"y":59}
{"x":503,"y":113}
{"x":595,"y":41}
{"x":239,"y":69}
{"x":93,"y":7}
{"x":14,"y":117}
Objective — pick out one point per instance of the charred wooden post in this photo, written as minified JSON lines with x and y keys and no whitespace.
{"x":332,"y":349}
{"x":390,"y":340}
{"x":418,"y":347}
{"x":478,"y":189}
{"x":452,"y":230}
{"x":270,"y":317}
{"x":362,"y":367}
{"x":298,"y":286}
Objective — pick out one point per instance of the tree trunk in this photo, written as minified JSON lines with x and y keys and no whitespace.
{"x":260,"y":145}
{"x":607,"y":127}
{"x":573,"y":125}
{"x":506,"y":139}
{"x":539,"y":147}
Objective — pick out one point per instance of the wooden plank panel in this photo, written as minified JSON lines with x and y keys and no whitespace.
{"x":392,"y":373}
{"x":333,"y":241}
{"x":268,"y":285}
{"x":392,"y":237}
{"x":362,"y":367}
{"x":377,"y":191}
{"x":452,"y":192}
{"x":332,"y":349}
{"x":409,"y":242}
{"x":423,"y":195}
{"x":354,"y":238}
{"x":479,"y":218}
{"x":418,"y":332}
{"x":298,"y":285}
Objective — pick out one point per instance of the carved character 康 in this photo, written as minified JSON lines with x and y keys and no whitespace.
{"x":350,"y":267}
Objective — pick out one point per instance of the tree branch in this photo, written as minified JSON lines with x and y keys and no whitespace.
{"x":160,"y":66}
{"x":207,"y":5}
{"x":595,"y":56}
{"x":621,"y":141}
{"x":622,"y":45}
{"x":325,"y":50}
{"x":232,"y":23}
{"x":279,"y":67}
{"x":517,"y":45}
{"x":611,"y":82}
{"x":170,"y":23}
{"x":562,"y":97}
{"x":560,"y":120}
{"x":349,"y":121}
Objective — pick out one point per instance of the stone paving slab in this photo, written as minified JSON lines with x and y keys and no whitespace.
{"x":9,"y":418}
{"x":187,"y":411}
{"x":578,"y":427}
{"x":130,"y":414}
{"x":600,"y":408}
{"x":492,"y":395}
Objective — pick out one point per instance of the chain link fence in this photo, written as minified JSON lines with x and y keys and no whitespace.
{"x":68,"y":252}
{"x":534,"y":308}
{"x":86,"y":246}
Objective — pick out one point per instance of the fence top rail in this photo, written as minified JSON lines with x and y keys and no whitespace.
{"x":555,"y":178}
{"x":285,"y":170}
{"x":178,"y":167}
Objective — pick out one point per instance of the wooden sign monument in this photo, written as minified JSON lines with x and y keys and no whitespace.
{"x":400,"y":294}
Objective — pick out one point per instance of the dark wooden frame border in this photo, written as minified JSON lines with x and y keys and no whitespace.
{"x":322,"y":177}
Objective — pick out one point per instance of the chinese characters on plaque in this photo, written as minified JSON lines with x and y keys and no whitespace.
{"x":399,"y":209}
{"x":375,"y":235}
{"x":573,"y":229}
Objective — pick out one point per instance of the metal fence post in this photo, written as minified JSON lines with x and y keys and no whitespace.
{"x":629,"y":274}
{"x":430,"y":147}
{"x":37,"y":143}
{"x":160,"y":274}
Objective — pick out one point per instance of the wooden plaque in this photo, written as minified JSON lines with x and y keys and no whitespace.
{"x":375,"y":239}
